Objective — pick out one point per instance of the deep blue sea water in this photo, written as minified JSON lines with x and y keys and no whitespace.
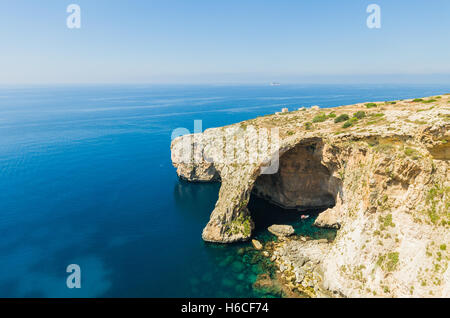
{"x":86,"y":178}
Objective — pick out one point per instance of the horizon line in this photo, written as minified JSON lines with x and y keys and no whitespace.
{"x":211,"y":83}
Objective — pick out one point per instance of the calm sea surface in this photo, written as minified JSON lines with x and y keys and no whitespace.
{"x":86,"y":178}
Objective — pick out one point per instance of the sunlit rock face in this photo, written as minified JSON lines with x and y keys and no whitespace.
{"x":302,"y":181}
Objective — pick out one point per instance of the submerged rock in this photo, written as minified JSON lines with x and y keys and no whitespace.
{"x":237,"y":267}
{"x":264,"y":283}
{"x":226,"y":261}
{"x":281,"y":230}
{"x":227,"y":282}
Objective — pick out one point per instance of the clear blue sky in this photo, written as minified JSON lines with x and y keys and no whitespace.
{"x":170,"y":41}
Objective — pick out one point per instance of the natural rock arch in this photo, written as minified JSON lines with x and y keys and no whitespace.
{"x":305,"y":179}
{"x":302,"y":182}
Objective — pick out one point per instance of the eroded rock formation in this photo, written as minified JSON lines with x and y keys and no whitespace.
{"x":384,"y":179}
{"x":302,"y":181}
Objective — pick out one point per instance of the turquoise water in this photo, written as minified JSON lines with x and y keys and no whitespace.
{"x":86,"y":178}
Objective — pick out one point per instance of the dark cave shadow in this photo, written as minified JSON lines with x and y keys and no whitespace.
{"x":265,"y":214}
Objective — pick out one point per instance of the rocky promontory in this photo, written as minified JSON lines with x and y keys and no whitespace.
{"x":380,"y":172}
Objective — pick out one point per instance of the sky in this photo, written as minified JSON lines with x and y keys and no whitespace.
{"x":224,"y":41}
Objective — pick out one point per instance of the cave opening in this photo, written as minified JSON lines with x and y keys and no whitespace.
{"x":265,"y":214}
{"x":302,"y":188}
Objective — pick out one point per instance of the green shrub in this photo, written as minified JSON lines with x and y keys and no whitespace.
{"x":308,"y":125}
{"x":393,"y":261}
{"x":341,"y":118}
{"x":331,"y":115}
{"x":347,"y":124}
{"x":432,"y":213}
{"x":386,"y":221}
{"x":417,"y":100}
{"x":388,"y":261}
{"x":320,"y":118}
{"x":443,"y":247}
{"x":242,"y":224}
{"x":371,"y":105}
{"x":360,"y":114}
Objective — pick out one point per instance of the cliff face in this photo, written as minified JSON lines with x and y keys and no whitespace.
{"x":384,"y":178}
{"x":302,"y":180}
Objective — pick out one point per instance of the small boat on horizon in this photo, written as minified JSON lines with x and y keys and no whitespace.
{"x":275,"y":84}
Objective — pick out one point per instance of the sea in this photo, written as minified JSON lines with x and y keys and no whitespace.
{"x":86,"y":178}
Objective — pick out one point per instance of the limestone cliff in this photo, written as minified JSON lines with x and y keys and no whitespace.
{"x":381,"y":169}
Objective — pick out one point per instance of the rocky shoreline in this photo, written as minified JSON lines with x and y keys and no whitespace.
{"x":381,"y":169}
{"x":296,"y":272}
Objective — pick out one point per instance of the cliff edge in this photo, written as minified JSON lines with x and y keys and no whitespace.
{"x":380,"y":170}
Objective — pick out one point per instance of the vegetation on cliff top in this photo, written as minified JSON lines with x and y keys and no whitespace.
{"x":367,"y":117}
